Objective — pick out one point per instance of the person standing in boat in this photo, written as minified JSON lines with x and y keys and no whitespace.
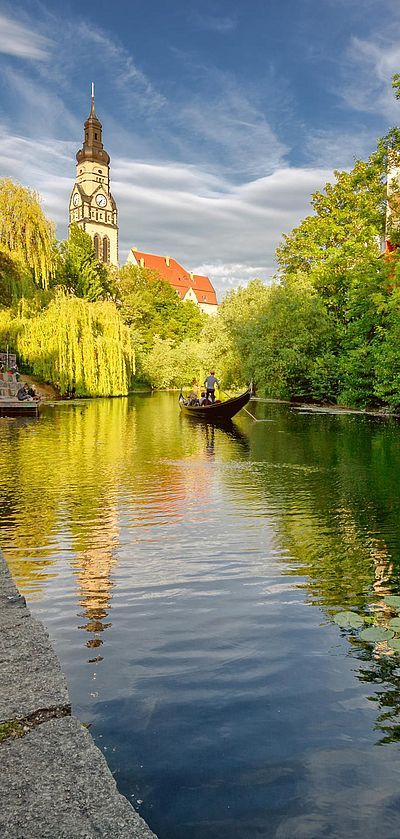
{"x":209,"y":385}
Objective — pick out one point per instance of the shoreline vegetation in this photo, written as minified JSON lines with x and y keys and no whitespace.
{"x":325,"y":331}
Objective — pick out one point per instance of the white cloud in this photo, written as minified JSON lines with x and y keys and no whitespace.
{"x":221,"y":209}
{"x":211,"y":225}
{"x":20,"y":41}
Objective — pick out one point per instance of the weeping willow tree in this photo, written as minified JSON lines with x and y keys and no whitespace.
{"x":15,"y":279}
{"x":25,"y":231}
{"x":77,"y":345}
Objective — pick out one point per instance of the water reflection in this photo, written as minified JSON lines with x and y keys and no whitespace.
{"x":195,"y":563}
{"x":75,"y":472}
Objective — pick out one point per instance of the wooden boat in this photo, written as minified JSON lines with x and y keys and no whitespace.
{"x":216,"y":411}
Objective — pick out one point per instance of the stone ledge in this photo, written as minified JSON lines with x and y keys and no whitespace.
{"x":54,"y":781}
{"x":55,"y":784}
{"x":32,"y":679}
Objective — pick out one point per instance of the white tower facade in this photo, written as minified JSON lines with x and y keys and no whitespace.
{"x":91,"y":204}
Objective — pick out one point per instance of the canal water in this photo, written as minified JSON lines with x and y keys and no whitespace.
{"x":188,"y":577}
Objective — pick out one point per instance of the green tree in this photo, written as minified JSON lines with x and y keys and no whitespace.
{"x":343,"y":233}
{"x":25,"y":232}
{"x":277,"y":336}
{"x":79,"y":271}
{"x":152,"y":307}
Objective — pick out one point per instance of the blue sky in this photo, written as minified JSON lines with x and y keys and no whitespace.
{"x":220,"y":118}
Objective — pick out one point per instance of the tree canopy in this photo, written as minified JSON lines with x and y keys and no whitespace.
{"x":25,"y":232}
{"x":151,"y":306}
{"x":79,"y":271}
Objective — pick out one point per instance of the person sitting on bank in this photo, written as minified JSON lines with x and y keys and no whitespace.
{"x":33,"y":393}
{"x":23,"y":393}
{"x":209,"y":384}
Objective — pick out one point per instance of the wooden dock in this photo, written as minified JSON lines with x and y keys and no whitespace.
{"x":10,"y":405}
{"x":14,"y":408}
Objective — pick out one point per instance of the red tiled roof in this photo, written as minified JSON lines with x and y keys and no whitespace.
{"x":177,"y":276}
{"x":203,"y":289}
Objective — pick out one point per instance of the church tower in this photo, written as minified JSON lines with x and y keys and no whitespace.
{"x":91,"y":205}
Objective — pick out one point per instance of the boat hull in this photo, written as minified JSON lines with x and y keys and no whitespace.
{"x":217,"y":412}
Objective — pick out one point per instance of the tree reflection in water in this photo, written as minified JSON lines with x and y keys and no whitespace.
{"x":72,"y":481}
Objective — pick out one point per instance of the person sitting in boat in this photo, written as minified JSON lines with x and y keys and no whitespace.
{"x":204,"y":399}
{"x":209,"y":384}
{"x":192,"y":398}
{"x":23,"y":393}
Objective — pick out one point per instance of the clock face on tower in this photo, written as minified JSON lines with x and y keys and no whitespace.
{"x":101,"y":200}
{"x":75,"y":200}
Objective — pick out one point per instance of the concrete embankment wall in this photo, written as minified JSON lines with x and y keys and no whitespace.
{"x":54,"y":781}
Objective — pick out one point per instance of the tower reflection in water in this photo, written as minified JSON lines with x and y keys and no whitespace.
{"x":94,"y":569}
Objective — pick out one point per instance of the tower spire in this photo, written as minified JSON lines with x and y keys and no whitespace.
{"x":92,"y":110}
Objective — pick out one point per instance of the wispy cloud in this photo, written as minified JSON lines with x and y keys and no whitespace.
{"x":214,"y":23}
{"x":235,"y":130}
{"x":368,"y":68}
{"x":127,"y":76}
{"x":43,"y":109}
{"x":20,"y":41}
{"x":322,"y":147}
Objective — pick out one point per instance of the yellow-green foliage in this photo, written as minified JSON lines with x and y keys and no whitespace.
{"x":74,"y":344}
{"x":25,"y":231}
{"x":15,"y":278}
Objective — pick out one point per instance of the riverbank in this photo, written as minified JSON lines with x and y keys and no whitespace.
{"x":55,"y":783}
{"x":315,"y":408}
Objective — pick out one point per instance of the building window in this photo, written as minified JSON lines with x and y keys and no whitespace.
{"x":106,"y":249}
{"x":96,"y":242}
{"x":95,"y":136}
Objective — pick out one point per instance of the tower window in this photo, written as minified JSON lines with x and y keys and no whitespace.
{"x":95,"y":136}
{"x":106,"y":249}
{"x":96,"y":242}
